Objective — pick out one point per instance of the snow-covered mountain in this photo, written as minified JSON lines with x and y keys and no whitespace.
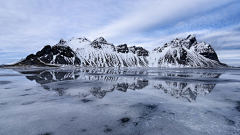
{"x":99,"y":53}
{"x":185,"y":53}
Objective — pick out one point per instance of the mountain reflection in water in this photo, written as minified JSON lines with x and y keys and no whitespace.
{"x":100,"y":81}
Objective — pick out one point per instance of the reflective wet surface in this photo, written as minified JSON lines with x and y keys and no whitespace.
{"x":119,"y":101}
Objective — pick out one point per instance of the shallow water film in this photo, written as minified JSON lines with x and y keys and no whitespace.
{"x":130,"y":101}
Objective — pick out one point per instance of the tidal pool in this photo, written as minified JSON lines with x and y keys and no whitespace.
{"x":119,"y":101}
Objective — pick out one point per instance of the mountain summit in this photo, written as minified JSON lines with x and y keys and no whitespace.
{"x":99,"y":53}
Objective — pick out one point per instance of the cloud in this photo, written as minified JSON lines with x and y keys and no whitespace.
{"x":33,"y":24}
{"x":26,"y":26}
{"x":154,"y":14}
{"x":231,"y":57}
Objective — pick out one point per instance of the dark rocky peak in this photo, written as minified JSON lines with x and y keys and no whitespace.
{"x":62,"y":41}
{"x":122,"y":48}
{"x":192,"y":38}
{"x":46,"y":50}
{"x":139,"y":51}
{"x":100,"y":40}
{"x":100,"y":43}
{"x":97,"y":43}
{"x":191,"y":41}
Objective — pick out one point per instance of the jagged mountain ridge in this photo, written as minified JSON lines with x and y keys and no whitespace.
{"x":99,"y":53}
{"x":185,"y":53}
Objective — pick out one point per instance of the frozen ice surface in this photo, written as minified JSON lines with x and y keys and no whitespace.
{"x":119,"y":101}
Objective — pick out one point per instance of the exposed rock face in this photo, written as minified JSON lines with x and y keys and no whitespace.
{"x":122,"y":48}
{"x":139,"y":51}
{"x":133,"y":49}
{"x":99,"y":53}
{"x":97,"y":43}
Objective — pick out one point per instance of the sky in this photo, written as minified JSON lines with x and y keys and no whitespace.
{"x":26,"y":26}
